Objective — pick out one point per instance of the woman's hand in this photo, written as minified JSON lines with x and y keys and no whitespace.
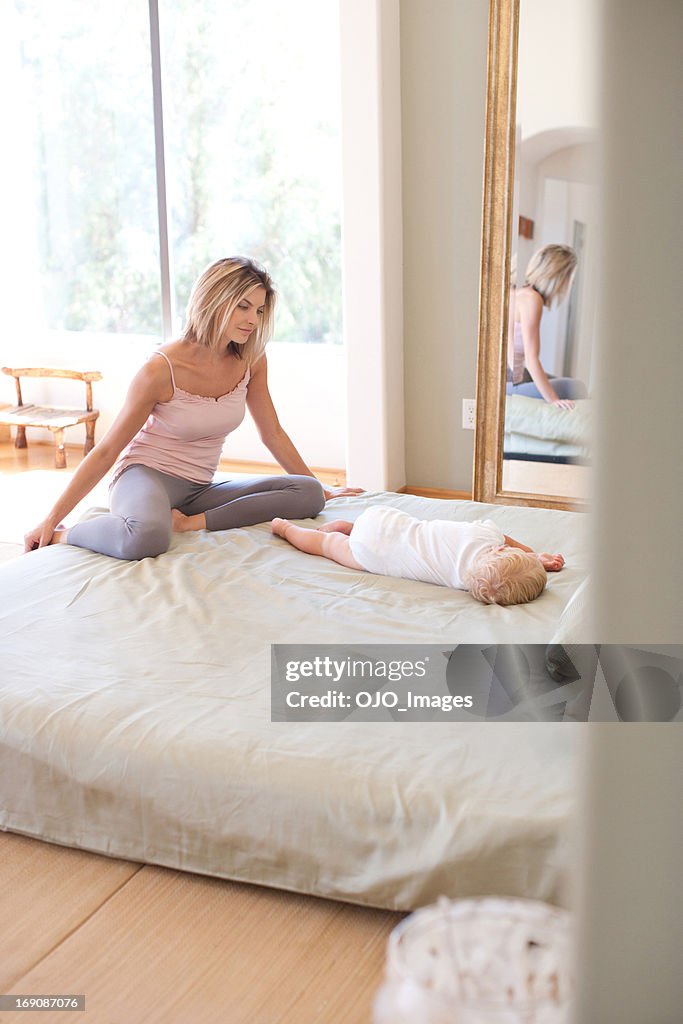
{"x":340,"y":492}
{"x":551,"y":563}
{"x":150,"y":385}
{"x":564,"y":403}
{"x":40,"y":537}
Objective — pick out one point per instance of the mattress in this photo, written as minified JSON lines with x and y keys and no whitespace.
{"x":135,"y":719}
{"x":534,"y":427}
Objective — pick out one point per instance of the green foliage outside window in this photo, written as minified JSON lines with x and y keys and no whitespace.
{"x":251,"y":113}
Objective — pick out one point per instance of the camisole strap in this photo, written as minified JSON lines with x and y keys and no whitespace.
{"x":170,"y":365}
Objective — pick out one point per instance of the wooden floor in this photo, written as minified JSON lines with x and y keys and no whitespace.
{"x":146,"y":944}
{"x":547,"y":478}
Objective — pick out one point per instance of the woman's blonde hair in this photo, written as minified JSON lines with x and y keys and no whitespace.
{"x":507,"y":576}
{"x":550,"y":272}
{"x":214,"y":297}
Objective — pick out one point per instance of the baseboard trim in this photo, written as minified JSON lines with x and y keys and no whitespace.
{"x":436,"y":492}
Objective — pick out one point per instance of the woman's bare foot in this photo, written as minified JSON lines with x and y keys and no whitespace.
{"x":279,"y":526}
{"x":187,"y":524}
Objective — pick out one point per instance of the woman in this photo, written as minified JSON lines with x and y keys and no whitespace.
{"x":549,"y":278}
{"x":167,"y":439}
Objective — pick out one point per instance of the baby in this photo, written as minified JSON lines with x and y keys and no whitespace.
{"x":473,"y":556}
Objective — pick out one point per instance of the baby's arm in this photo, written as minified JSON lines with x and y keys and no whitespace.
{"x":510,"y":542}
{"x":334,"y":546}
{"x":551,"y":563}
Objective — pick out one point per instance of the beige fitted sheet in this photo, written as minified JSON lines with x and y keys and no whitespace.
{"x":135,"y":719}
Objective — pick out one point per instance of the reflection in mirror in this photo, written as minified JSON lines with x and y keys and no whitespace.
{"x":550,"y":340}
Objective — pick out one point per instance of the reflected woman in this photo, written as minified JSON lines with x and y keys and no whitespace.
{"x":549,"y":277}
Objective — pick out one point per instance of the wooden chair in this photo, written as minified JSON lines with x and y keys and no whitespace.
{"x":56,"y":419}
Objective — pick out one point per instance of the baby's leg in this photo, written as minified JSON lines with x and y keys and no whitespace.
{"x":334,"y":546}
{"x":338,"y":526}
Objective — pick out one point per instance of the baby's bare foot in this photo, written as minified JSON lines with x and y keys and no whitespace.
{"x":278,"y":526}
{"x":60,"y":535}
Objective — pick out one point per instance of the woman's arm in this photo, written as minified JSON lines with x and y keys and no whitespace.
{"x":276,"y":440}
{"x":150,"y":385}
{"x":530,"y":307}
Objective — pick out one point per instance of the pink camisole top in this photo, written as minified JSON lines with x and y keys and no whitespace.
{"x":184,"y":437}
{"x":516,"y":371}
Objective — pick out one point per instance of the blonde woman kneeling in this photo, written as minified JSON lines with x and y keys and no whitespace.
{"x":465,"y":556}
{"x":167,"y":440}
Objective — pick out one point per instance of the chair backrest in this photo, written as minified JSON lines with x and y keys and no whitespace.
{"x":87,"y":376}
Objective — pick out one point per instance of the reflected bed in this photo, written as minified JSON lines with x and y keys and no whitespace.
{"x":536,"y":430}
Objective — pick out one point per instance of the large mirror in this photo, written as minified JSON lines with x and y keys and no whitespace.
{"x":537,"y":319}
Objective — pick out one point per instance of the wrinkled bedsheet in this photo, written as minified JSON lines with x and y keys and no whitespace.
{"x":534,"y":427}
{"x":135,"y":719}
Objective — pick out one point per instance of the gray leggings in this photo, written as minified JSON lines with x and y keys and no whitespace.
{"x":141,"y":499}
{"x":565,"y":387}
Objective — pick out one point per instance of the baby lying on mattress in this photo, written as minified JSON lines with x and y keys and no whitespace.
{"x":473,"y":556}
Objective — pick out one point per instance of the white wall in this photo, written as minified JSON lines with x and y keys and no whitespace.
{"x":372,"y":242}
{"x":557,"y":43}
{"x":443,"y":92}
{"x":563,"y":201}
{"x":632,"y":899}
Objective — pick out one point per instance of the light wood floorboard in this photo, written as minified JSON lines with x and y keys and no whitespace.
{"x":147,"y":945}
{"x":46,"y":892}
{"x":547,"y":478}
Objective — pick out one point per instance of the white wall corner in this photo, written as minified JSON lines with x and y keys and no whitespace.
{"x":372,"y":242}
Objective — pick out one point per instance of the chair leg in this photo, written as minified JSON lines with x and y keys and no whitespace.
{"x":20,"y":439}
{"x":89,"y":436}
{"x":60,"y":451}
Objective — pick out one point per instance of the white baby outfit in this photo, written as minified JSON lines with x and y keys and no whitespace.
{"x":391,"y":543}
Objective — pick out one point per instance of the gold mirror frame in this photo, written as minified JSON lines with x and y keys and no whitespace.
{"x":499,"y":168}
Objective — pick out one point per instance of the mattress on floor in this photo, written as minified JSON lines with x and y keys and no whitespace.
{"x":135,"y":719}
{"x":535,"y":427}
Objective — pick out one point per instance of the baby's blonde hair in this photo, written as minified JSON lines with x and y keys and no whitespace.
{"x":507,"y":576}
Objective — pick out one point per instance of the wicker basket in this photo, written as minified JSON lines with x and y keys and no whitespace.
{"x":479,"y":961}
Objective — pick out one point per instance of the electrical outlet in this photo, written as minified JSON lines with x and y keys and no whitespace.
{"x":469,"y":407}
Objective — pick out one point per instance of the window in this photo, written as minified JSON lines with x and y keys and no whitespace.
{"x":81,"y":203}
{"x":252,"y":155}
{"x":253,"y":162}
